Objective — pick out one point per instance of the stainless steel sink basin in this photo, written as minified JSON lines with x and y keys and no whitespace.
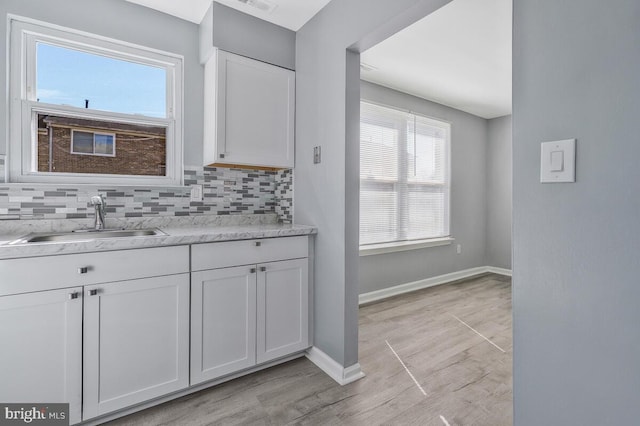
{"x":52,"y":237}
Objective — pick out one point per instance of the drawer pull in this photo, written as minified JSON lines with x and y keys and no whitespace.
{"x":252,"y":270}
{"x":258,"y":243}
{"x":74,"y":295}
{"x":83,"y":270}
{"x":263,"y":268}
{"x":93,"y":292}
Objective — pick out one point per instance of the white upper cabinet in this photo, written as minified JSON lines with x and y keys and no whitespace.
{"x":249,"y":112}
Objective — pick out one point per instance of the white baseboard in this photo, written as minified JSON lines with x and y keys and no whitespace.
{"x":499,"y":271}
{"x":429,"y":282}
{"x":333,"y":368}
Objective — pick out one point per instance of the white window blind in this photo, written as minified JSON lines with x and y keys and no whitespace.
{"x":404,"y":176}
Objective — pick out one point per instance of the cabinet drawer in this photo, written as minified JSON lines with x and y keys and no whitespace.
{"x":70,"y":270}
{"x":247,"y":252}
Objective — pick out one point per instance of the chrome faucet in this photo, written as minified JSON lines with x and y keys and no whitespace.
{"x":99,"y":202}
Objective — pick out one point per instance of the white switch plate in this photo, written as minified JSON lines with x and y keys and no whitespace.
{"x":558,"y":161}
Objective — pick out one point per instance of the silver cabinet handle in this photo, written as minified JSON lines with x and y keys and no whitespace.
{"x":83,"y":270}
{"x":258,"y":243}
{"x":93,"y":292}
{"x":221,"y":155}
{"x":263,"y":268}
{"x":252,"y":270}
{"x":74,"y":295}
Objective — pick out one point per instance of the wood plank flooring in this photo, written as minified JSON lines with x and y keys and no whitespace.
{"x":454,"y":340}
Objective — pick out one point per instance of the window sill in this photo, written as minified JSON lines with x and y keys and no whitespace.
{"x":374,"y":249}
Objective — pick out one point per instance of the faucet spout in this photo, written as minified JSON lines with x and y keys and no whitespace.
{"x":99,"y":202}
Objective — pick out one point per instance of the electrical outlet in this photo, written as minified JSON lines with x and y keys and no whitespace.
{"x":196,"y":192}
{"x":459,"y":248}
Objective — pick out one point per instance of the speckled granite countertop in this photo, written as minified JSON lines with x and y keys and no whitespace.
{"x":179,"y":231}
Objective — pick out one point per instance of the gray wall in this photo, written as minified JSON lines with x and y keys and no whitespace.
{"x":468,"y":199}
{"x":324,"y":80}
{"x":499,"y":190}
{"x":576,"y":74}
{"x":128,"y":22}
{"x":245,"y":35}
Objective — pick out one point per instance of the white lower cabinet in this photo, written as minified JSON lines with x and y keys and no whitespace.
{"x":102,"y":345}
{"x":223,"y":322}
{"x":136,"y":342}
{"x":282,"y":313}
{"x":41,"y":355}
{"x":247,"y":315}
{"x":106,"y":331}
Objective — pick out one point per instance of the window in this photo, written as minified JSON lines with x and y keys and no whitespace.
{"x":89,"y":143}
{"x":404,"y":176}
{"x":75,"y":95}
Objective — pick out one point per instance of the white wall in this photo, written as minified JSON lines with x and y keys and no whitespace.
{"x":576,"y":282}
{"x":469,"y":156}
{"x":499,"y":188}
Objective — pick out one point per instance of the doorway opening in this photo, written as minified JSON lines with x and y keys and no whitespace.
{"x":435,"y":208}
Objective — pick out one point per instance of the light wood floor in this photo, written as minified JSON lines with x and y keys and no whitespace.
{"x":426,"y":363}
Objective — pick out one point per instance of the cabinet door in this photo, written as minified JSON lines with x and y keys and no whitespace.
{"x":283,"y":307}
{"x":136,"y":342}
{"x":41,"y":355}
{"x":255,"y":112}
{"x":223,"y":322}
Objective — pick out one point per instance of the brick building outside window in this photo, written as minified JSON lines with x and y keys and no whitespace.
{"x":77,"y":145}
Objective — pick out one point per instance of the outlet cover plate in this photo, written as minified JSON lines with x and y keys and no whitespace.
{"x":196,"y":192}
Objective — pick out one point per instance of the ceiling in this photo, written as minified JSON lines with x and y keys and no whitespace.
{"x":459,"y":56}
{"x":291,"y":14}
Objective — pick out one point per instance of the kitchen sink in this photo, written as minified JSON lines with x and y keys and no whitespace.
{"x":85,"y":235}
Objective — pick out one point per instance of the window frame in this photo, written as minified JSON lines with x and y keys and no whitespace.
{"x":401,"y":180}
{"x":24,"y":34}
{"x":113,"y":137}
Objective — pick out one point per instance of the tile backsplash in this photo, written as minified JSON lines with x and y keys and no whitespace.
{"x":2,"y":168}
{"x":284,"y":195}
{"x":225,"y":192}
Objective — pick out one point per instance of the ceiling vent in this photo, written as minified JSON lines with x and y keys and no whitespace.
{"x":263,"y":5}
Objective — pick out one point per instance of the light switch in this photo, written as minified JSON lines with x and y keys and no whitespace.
{"x":557,"y":161}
